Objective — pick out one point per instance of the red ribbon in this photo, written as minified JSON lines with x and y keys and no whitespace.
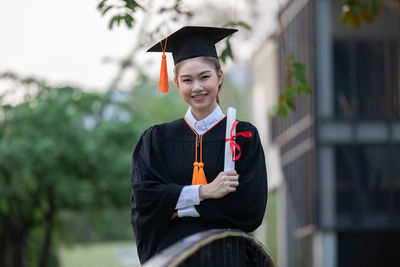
{"x":233,"y":143}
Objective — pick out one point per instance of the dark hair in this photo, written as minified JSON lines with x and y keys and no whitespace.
{"x":209,"y":60}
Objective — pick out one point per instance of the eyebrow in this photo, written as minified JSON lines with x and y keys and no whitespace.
{"x":201,"y":73}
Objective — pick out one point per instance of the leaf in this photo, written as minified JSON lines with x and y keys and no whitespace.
{"x":237,"y":23}
{"x":300,"y":88}
{"x":299,"y":67}
{"x":274,"y":111}
{"x":307,"y":90}
{"x":296,"y":83}
{"x":290,"y":104}
{"x":106,"y":10}
{"x":356,"y":6}
{"x":343,"y":17}
{"x":291,"y":91}
{"x":283,"y":109}
{"x":112,"y":21}
{"x":132,"y":5}
{"x":115,"y":19}
{"x":229,"y":24}
{"x":299,"y":72}
{"x":354,"y":12}
{"x":227,"y":52}
{"x":128,"y":20}
{"x":101,"y":5}
{"x":244,"y":25}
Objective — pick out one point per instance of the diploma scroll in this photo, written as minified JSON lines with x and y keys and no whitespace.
{"x":229,"y":164}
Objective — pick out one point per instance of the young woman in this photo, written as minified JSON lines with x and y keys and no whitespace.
{"x":178,"y":184}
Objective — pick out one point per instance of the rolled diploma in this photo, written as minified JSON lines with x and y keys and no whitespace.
{"x":229,"y":164}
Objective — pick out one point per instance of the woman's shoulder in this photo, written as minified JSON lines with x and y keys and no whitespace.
{"x":163,"y":129}
{"x":246,"y":126}
{"x":155,"y":135}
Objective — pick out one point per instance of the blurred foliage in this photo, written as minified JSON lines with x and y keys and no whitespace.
{"x":123,"y":11}
{"x":227,"y":51}
{"x":66,"y":149}
{"x":296,"y":83}
{"x":355,"y":12}
{"x":108,"y":224}
{"x":294,"y":87}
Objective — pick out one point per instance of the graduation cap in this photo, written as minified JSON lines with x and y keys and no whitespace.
{"x":188,"y":42}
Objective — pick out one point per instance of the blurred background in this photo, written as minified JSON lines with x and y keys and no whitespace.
{"x":319,"y":78}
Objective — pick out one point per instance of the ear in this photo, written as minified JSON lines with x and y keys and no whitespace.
{"x":176,"y":83}
{"x":220,"y":77}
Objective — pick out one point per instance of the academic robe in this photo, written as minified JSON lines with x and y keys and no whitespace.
{"x":162,"y":164}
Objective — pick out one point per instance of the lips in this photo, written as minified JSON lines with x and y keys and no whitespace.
{"x":199,"y":97}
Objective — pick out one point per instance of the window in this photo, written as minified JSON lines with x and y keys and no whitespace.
{"x":368,"y":186}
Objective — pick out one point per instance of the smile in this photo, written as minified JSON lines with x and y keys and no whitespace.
{"x":199,"y":97}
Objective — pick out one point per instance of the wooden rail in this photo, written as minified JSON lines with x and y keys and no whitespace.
{"x":217,"y":247}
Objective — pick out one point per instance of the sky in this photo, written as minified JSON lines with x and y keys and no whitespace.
{"x":66,"y":41}
{"x":60,"y":41}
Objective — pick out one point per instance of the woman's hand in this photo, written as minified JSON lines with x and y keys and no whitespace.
{"x":225,"y":183}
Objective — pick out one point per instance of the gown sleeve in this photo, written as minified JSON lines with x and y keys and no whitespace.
{"x":154,"y":196}
{"x":244,"y":208}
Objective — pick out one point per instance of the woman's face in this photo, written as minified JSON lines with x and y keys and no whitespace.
{"x":198,"y":82}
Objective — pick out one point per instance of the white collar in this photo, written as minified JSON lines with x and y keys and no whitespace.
{"x":204,"y":125}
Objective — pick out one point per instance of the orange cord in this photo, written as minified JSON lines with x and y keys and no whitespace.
{"x":199,"y":176}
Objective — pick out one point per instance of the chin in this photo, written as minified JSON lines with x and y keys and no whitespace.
{"x":204,"y":105}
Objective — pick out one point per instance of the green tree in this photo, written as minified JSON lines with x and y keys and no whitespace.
{"x":66,"y":149}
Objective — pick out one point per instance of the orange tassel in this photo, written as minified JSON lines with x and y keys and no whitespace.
{"x":195,"y":177}
{"x":163,"y":82}
{"x":202,"y":175}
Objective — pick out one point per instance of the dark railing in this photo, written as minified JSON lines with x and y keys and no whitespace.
{"x":217,"y":247}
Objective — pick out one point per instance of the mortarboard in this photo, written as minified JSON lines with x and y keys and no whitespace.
{"x":188,"y":42}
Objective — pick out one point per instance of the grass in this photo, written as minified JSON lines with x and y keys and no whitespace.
{"x":102,"y":254}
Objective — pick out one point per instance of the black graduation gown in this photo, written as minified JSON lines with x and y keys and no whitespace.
{"x":162,"y":164}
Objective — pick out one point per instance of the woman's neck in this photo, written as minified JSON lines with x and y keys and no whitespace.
{"x":202,"y":114}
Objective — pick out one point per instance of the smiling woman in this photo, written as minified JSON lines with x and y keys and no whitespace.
{"x":178,"y":184}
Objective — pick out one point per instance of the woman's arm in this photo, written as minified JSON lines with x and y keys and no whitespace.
{"x":154,"y":196}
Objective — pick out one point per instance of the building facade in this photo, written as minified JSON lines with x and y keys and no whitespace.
{"x":336,"y":180}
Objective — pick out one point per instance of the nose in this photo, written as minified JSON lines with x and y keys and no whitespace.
{"x":197,"y":85}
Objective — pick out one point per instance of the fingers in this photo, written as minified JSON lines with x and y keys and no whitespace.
{"x":223,"y":184}
{"x":230,"y":181}
{"x":229,"y":178}
{"x":230,"y":173}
